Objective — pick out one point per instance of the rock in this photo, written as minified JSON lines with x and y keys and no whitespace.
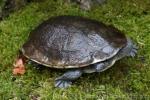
{"x":86,"y":4}
{"x":11,"y":6}
{"x":8,"y":6}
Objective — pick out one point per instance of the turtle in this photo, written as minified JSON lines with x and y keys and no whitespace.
{"x":77,"y":44}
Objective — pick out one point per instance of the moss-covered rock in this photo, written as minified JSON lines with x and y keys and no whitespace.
{"x":86,"y":4}
{"x":8,"y":6}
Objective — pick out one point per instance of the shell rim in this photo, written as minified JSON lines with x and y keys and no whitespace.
{"x":69,"y":67}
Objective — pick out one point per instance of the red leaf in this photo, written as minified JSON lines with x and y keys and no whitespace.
{"x":19,"y":68}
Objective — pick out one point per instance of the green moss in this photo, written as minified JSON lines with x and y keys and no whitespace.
{"x":127,"y":79}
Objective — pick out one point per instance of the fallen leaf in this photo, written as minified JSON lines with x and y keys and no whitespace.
{"x":19,"y":68}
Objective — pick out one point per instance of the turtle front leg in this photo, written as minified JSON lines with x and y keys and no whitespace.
{"x":66,"y":79}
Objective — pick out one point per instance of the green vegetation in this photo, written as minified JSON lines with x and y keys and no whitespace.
{"x":127,"y":79}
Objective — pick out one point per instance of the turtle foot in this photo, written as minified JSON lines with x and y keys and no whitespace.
{"x":133,"y":51}
{"x":66,"y":79}
{"x":62,"y":83}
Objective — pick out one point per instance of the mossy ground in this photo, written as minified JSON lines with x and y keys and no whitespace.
{"x":128,"y":79}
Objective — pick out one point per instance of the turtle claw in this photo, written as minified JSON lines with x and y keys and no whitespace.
{"x":132,"y":54}
{"x":62,"y":83}
{"x":133,"y":51}
{"x":66,"y":79}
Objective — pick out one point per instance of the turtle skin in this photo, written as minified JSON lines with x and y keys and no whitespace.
{"x":76,"y":43}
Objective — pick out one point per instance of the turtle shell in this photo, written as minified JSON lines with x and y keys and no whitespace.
{"x":72,"y":42}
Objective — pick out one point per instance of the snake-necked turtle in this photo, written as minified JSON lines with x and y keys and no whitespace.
{"x":78,"y":44}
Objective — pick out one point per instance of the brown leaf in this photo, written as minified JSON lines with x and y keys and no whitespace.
{"x":19,"y":68}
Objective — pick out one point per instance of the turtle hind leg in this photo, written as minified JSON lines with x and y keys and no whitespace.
{"x":66,"y":79}
{"x":129,"y":50}
{"x":133,"y":51}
